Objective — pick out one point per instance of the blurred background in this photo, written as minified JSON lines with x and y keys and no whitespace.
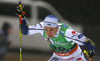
{"x":81,"y":15}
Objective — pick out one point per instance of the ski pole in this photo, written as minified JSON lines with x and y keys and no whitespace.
{"x":85,"y":52}
{"x":20,"y":7}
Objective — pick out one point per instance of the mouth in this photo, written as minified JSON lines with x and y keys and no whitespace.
{"x":49,"y":36}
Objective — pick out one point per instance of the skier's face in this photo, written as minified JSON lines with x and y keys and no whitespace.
{"x":50,"y":31}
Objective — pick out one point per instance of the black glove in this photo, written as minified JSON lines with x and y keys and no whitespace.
{"x":91,"y":53}
{"x":20,"y":11}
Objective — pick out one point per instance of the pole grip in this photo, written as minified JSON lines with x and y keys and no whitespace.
{"x":85,"y":52}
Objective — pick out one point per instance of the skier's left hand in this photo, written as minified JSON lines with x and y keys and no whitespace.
{"x":91,"y":53}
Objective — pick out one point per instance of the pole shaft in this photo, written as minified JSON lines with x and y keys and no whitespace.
{"x":20,"y":6}
{"x":20,"y":42}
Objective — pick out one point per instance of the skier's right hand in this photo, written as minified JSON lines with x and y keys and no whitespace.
{"x":20,"y":11}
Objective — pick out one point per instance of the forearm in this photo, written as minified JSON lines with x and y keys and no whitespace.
{"x":24,"y":27}
{"x":90,"y":44}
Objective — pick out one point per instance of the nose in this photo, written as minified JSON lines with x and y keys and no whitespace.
{"x":48,"y":32}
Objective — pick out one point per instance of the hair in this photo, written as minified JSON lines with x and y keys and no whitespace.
{"x":6,"y":26}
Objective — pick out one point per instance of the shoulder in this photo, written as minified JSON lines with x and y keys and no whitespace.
{"x":40,"y":25}
{"x":70,"y":32}
{"x":37,"y":26}
{"x":63,"y":25}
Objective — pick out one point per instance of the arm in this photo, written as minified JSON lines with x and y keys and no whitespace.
{"x":32,"y":29}
{"x":80,"y":39}
{"x":24,"y":27}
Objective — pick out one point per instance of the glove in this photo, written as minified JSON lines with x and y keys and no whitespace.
{"x":91,"y":53}
{"x":20,"y":11}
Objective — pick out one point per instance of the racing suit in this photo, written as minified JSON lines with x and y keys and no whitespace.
{"x":64,"y":44}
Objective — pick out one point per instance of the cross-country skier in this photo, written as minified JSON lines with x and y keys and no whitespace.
{"x":63,"y":40}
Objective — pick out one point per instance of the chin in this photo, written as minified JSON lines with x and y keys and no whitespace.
{"x":51,"y":37}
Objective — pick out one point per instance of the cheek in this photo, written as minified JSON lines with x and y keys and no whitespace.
{"x":53,"y":32}
{"x":46,"y":32}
